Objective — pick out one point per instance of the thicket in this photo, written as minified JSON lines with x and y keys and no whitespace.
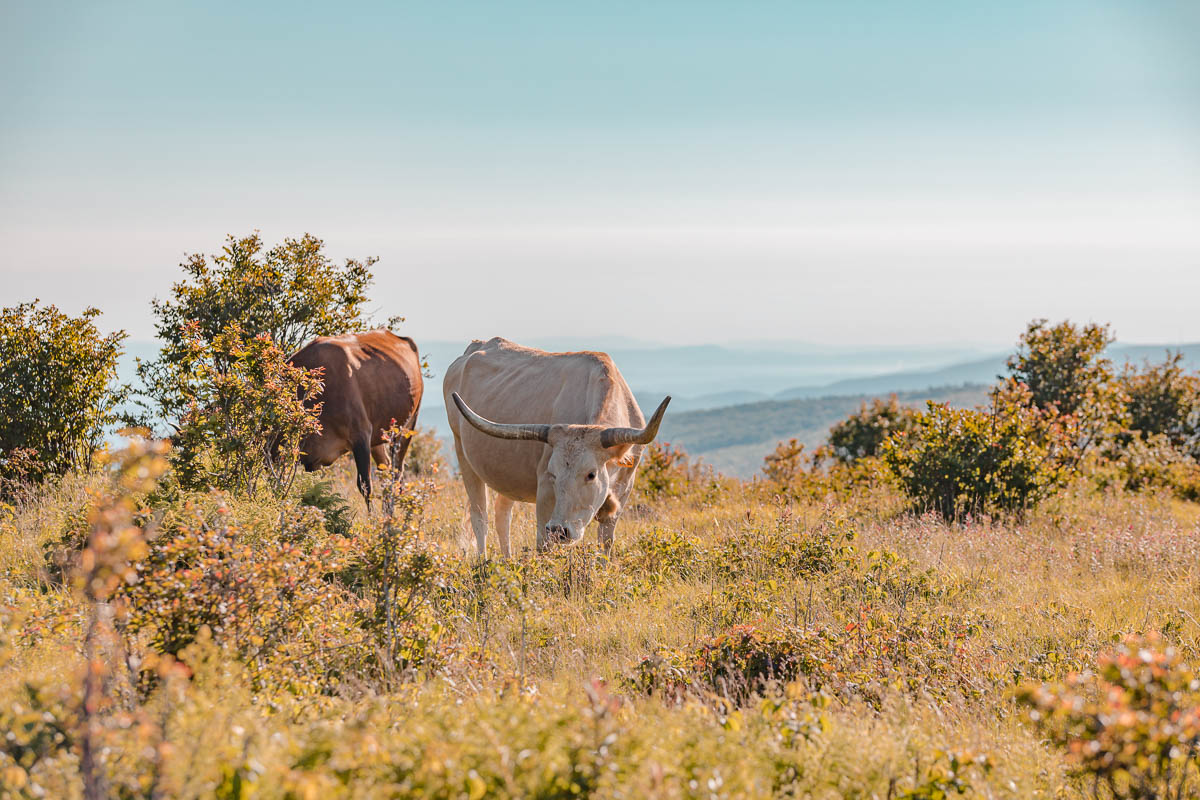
{"x":58,"y":391}
{"x":1061,"y":413}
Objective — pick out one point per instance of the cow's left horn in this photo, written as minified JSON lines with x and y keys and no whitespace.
{"x":611,"y":437}
{"x":539,"y":433}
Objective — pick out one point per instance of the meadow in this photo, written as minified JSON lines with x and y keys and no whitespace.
{"x":996,"y":601}
{"x":739,"y":643}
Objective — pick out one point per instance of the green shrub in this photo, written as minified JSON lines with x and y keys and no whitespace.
{"x":1132,"y":726}
{"x":333,"y":506}
{"x":960,"y":461}
{"x":1064,"y":368}
{"x":663,"y":471}
{"x":289,"y":293}
{"x":1063,"y":365}
{"x":1153,"y":463}
{"x":242,"y":425}
{"x":57,"y":393}
{"x":861,"y":435}
{"x":1160,"y":447}
{"x":254,"y":598}
{"x":1164,"y":399}
{"x":404,"y":573}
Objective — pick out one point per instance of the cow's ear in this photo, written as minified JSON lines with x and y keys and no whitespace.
{"x":623,"y":456}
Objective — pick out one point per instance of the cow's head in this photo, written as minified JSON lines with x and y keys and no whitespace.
{"x":583,"y":459}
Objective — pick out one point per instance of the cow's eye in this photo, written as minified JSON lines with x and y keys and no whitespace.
{"x":591,"y":476}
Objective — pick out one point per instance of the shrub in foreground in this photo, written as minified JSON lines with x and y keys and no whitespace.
{"x":254,"y":599}
{"x":1132,"y":726}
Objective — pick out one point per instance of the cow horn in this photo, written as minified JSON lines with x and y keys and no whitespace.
{"x":611,"y":437}
{"x":539,"y":433}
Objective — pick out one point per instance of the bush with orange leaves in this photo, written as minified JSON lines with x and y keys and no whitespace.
{"x":1132,"y":727}
{"x":267,"y":602}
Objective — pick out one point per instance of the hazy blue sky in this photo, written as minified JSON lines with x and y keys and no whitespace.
{"x":863,"y":172}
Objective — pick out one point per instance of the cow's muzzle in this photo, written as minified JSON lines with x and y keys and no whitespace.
{"x":559,"y":534}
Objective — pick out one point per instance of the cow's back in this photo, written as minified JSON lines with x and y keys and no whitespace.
{"x":370,"y":378}
{"x":508,"y":383}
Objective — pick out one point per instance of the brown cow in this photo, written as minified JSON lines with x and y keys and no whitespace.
{"x":372,"y":379}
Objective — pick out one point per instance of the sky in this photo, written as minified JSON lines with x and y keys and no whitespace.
{"x":847,"y":172}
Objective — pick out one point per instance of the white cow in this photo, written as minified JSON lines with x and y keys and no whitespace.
{"x":561,"y":430}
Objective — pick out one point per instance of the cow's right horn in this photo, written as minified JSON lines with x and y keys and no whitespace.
{"x":611,"y":437}
{"x":539,"y":433}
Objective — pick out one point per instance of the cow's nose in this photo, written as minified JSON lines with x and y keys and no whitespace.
{"x":556,"y":533}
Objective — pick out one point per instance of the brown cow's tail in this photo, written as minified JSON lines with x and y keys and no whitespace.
{"x":361,"y":448}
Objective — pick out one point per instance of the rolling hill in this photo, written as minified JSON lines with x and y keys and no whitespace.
{"x":982,"y":370}
{"x":735,"y":439}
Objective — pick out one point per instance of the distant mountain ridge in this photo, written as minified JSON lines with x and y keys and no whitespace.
{"x":984,"y":370}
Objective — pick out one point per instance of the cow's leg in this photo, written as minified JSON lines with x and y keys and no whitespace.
{"x":401,"y":450}
{"x":380,"y":453}
{"x":606,"y":523}
{"x":606,"y":529}
{"x":503,"y":510}
{"x":610,"y":511}
{"x":477,"y":503}
{"x":545,"y":510}
{"x":362,"y":460}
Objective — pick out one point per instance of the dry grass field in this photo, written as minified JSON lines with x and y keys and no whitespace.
{"x":737,"y":644}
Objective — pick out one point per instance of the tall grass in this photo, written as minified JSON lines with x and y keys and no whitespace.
{"x":737,"y":644}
